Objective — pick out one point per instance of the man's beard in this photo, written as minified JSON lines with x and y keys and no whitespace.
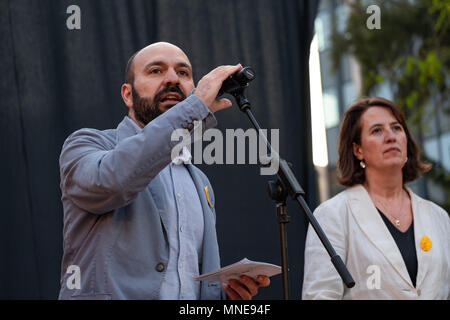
{"x":147,"y":109}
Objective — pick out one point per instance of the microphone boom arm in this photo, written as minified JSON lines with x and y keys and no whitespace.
{"x":290,"y":185}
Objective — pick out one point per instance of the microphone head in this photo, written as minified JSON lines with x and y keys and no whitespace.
{"x":237,"y":81}
{"x":244,"y":76}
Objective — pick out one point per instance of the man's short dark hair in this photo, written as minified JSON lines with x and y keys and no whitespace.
{"x":129,"y":72}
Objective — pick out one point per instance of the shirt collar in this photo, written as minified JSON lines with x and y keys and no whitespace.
{"x":184,"y":157}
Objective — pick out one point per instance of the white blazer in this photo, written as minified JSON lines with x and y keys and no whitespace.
{"x":361,"y":238}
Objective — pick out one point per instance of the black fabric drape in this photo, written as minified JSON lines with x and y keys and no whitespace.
{"x":55,"y":81}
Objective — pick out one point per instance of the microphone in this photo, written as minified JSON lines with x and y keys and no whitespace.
{"x":237,"y":81}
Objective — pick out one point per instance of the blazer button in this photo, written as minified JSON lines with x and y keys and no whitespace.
{"x":160,"y":267}
{"x":190,"y":126}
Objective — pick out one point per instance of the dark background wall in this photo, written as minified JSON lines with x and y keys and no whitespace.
{"x":55,"y":81}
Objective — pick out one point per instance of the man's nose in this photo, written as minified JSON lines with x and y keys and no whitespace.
{"x":171,"y":78}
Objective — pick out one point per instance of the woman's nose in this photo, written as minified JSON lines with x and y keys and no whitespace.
{"x":390,"y":135}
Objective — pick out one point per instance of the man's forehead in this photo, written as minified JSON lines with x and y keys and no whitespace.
{"x":161,"y":52}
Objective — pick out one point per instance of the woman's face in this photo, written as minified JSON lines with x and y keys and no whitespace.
{"x":383,"y":140}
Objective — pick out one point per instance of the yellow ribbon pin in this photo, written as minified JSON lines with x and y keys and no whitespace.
{"x":207,"y":196}
{"x":425,"y":243}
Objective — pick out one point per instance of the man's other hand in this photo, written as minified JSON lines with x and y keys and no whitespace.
{"x":245,"y":288}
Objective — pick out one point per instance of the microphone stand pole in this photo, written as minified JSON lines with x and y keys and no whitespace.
{"x":285,"y":185}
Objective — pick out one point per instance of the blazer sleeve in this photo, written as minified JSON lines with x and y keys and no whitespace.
{"x":99,"y":175}
{"x":321,"y":281}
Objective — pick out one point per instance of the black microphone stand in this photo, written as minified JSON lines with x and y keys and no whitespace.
{"x":287,"y":184}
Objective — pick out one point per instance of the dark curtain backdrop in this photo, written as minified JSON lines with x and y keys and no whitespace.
{"x":55,"y":81}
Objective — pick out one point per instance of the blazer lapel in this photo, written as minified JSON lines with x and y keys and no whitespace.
{"x":422,"y":227}
{"x":200,"y":190}
{"x":373,"y":226}
{"x":155,"y":186}
{"x":209,"y":234}
{"x":210,"y":257}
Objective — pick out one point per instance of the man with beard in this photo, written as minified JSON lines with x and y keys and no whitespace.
{"x":138,"y":224}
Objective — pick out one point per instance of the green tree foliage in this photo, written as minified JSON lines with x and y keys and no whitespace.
{"x":411,"y":52}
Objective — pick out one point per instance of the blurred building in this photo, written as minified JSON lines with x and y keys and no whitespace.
{"x":336,"y":91}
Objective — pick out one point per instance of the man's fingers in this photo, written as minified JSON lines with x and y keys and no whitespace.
{"x":246,"y":288}
{"x":232,"y":294}
{"x":220,"y":104}
{"x":252,"y":285}
{"x":240,"y":289}
{"x":263,"y":281}
{"x":224,"y":72}
{"x":210,"y":84}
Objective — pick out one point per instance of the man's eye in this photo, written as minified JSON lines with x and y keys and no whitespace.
{"x":183,"y":73}
{"x":155,"y":71}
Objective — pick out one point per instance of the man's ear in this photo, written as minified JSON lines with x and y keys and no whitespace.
{"x":127,"y":94}
{"x":357,"y":151}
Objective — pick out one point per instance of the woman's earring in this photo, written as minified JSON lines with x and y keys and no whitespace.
{"x":362,"y":164}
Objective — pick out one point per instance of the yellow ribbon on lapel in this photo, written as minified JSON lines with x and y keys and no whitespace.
{"x":425,"y":243}
{"x":207,"y":196}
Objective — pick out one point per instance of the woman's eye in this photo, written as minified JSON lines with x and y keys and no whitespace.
{"x":397,"y":128}
{"x":376,"y":130}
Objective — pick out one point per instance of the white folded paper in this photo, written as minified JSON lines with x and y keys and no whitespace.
{"x":243,"y":267}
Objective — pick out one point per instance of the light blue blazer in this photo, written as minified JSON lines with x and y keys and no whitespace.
{"x":114,"y":222}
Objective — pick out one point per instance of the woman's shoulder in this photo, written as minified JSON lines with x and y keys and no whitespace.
{"x":434,"y":208}
{"x":339,"y":202}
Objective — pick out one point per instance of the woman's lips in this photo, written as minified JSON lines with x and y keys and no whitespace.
{"x":392,"y":150}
